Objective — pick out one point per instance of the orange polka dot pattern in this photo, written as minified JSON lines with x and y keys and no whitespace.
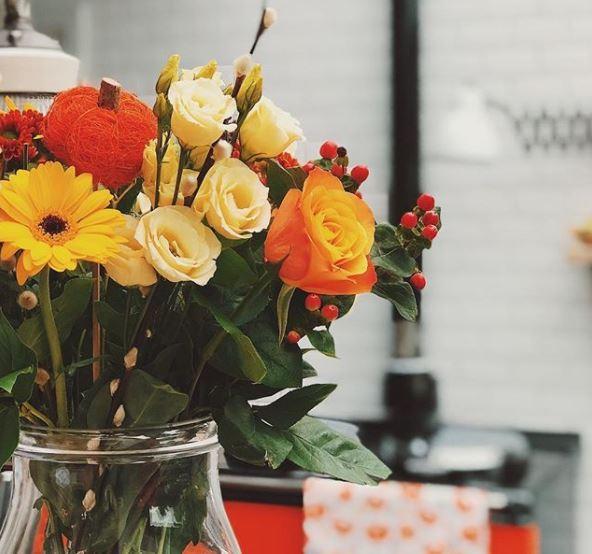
{"x":394,"y":518}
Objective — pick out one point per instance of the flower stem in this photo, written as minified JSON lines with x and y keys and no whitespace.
{"x":182,"y":160}
{"x":28,"y":408}
{"x":55,"y":348}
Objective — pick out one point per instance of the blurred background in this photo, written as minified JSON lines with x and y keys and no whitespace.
{"x":487,"y":105}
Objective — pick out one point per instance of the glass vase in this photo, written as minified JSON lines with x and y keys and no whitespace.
{"x":126,"y":491}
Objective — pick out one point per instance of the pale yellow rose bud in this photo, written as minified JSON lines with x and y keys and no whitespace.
{"x":27,"y":300}
{"x":162,"y":108}
{"x":119,"y":416}
{"x":242,"y":65}
{"x":250,"y":91}
{"x":113,"y":386}
{"x":270,"y":16}
{"x":168,"y":75}
{"x":267,"y":131}
{"x":200,"y":110}
{"x":208,"y":71}
{"x":233,"y":200}
{"x":222,"y":150}
{"x":89,"y":501}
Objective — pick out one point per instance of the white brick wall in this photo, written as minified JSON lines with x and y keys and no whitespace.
{"x":507,"y":319}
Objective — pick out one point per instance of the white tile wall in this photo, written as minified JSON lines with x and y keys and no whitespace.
{"x":507,"y":319}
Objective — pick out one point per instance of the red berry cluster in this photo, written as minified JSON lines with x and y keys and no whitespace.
{"x":334,"y":158}
{"x":313,"y":303}
{"x":423,"y":219}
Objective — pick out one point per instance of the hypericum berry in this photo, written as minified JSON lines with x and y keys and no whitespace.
{"x":308,"y":167}
{"x":426,"y":202}
{"x":429,"y":232}
{"x":360,"y":173}
{"x":330,"y":312}
{"x":337,"y":170}
{"x":418,"y":281}
{"x":328,"y":150}
{"x":409,"y":220}
{"x":293,"y":337}
{"x":342,"y":151}
{"x":312,"y":302}
{"x":430,"y":218}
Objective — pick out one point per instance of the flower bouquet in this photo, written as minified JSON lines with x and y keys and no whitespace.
{"x":160,"y":272}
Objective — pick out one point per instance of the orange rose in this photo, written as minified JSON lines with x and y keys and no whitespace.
{"x":322,"y":236}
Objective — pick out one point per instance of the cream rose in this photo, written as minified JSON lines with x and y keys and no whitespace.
{"x":267,"y":131}
{"x":167,"y":189}
{"x":191,"y":74}
{"x":130,"y":268}
{"x":170,"y":163}
{"x":178,"y":245}
{"x":199,"y":110}
{"x":233,"y":200}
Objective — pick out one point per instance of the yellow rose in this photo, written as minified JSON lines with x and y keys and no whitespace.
{"x":199,"y":111}
{"x":178,"y":245}
{"x":267,"y":131}
{"x":167,"y":189}
{"x":168,"y":174}
{"x":233,"y":200}
{"x":170,"y":163}
{"x":130,"y":268}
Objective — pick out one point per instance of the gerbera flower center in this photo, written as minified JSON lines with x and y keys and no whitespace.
{"x":53,"y":225}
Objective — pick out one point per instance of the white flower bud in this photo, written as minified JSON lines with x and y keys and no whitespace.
{"x":119,"y":416}
{"x":130,"y":359}
{"x":222,"y":150}
{"x":269,"y":17}
{"x":113,"y":386}
{"x":93,"y":444}
{"x":27,"y":300}
{"x":89,"y":501}
{"x":242,"y":65}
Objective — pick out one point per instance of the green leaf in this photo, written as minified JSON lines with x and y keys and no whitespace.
{"x":110,"y":319}
{"x":126,"y":202}
{"x":232,"y":271}
{"x":251,"y":363}
{"x":323,"y":342}
{"x":388,"y":253}
{"x":149,"y":401}
{"x":18,"y":365}
{"x":401,"y":295}
{"x":9,"y":428}
{"x":236,"y":428}
{"x":279,"y":181}
{"x":320,"y":449}
{"x":283,"y":308}
{"x":275,"y":443}
{"x":283,"y":361}
{"x":308,"y":370}
{"x":99,"y":408}
{"x":68,"y":308}
{"x":294,"y":405}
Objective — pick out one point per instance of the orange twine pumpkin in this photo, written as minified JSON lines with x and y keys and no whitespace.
{"x":108,"y":143}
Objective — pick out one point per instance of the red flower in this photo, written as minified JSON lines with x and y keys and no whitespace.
{"x":17,"y":129}
{"x":285,"y":159}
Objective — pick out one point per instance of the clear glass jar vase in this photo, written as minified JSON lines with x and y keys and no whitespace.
{"x":126,"y":491}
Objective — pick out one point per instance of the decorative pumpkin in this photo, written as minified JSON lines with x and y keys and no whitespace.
{"x":100,"y":132}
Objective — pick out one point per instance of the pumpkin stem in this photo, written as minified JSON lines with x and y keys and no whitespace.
{"x":109,"y":94}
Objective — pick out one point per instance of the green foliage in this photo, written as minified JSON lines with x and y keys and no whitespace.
{"x":18,"y":364}
{"x":294,"y":405}
{"x":400,"y":294}
{"x":283,"y":308}
{"x":9,"y":428}
{"x":279,"y":182}
{"x":323,"y":342}
{"x":148,"y":401}
{"x":318,"y":448}
{"x":233,"y":271}
{"x":68,"y":309}
{"x":388,"y":253}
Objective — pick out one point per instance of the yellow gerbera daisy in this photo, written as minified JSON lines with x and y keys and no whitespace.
{"x":51,"y":216}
